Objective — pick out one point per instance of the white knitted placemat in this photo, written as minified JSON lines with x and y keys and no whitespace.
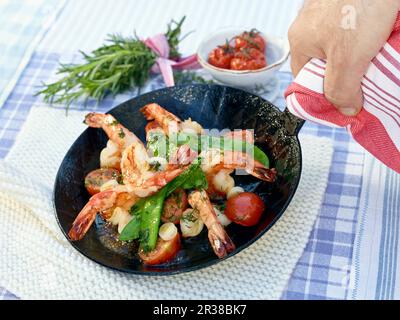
{"x":37,"y":262}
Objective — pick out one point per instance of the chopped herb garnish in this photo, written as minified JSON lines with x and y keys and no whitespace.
{"x":155,"y":166}
{"x":121,"y":133}
{"x":178,"y":197}
{"x":191,"y":216}
{"x":221,"y":207}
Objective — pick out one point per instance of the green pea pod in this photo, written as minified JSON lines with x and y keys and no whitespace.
{"x":150,"y":220}
{"x":131,"y":230}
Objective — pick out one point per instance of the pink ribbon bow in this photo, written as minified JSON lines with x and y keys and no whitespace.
{"x":160,"y":46}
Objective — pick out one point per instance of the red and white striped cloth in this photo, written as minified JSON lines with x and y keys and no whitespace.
{"x":377,"y":126}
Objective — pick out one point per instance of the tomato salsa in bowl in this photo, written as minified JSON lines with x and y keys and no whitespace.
{"x":245,"y":51}
{"x":242,"y":58}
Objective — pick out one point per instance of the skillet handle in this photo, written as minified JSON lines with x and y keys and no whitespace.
{"x":292,"y":123}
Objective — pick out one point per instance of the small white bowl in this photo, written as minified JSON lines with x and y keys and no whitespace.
{"x":277,"y":52}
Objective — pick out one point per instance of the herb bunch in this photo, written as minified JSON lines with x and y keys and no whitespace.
{"x":120,"y":64}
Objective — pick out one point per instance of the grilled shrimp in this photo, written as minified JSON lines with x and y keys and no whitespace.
{"x":135,"y":165}
{"x":218,"y":165}
{"x":119,"y":138}
{"x":110,"y":156}
{"x":163,"y":177}
{"x":215,"y":160}
{"x":101,"y":202}
{"x":168,"y":121}
{"x":139,"y":169}
{"x":219,"y":239}
{"x":115,"y":131}
{"x":124,"y":196}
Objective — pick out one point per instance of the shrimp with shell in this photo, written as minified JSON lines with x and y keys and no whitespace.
{"x":123,"y":196}
{"x":218,"y":166}
{"x":219,"y":239}
{"x":169,"y":122}
{"x":119,"y":138}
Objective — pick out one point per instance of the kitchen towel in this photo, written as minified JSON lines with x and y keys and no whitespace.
{"x":377,"y":126}
{"x":375,"y":271}
{"x":39,"y":263}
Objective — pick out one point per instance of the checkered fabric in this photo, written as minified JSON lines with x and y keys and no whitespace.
{"x":23,"y":24}
{"x":323,"y":271}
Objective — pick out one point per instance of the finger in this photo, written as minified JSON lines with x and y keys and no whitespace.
{"x":298,"y":61}
{"x":342,"y":86}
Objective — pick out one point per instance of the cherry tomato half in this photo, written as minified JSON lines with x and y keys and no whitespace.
{"x":250,"y":39}
{"x":238,"y":64}
{"x":245,"y":209}
{"x":96,"y":178}
{"x":221,"y":57}
{"x":164,"y":251}
{"x":248,"y":59}
{"x":255,"y":64}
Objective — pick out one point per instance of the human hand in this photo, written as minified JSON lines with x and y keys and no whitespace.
{"x":318,"y":32}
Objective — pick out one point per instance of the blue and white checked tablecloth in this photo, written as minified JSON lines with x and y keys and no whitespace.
{"x":23,"y":24}
{"x":327,"y":269}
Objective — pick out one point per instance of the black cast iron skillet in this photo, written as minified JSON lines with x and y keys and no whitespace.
{"x":213,"y":106}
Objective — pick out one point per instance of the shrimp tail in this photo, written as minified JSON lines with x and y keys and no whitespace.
{"x":154,"y":111}
{"x":237,"y":159}
{"x":160,"y":179}
{"x":81,"y":225}
{"x":149,"y":111}
{"x":265,"y":174}
{"x":94,"y":120}
{"x":220,"y":241}
{"x":99,"y":202}
{"x":167,"y":120}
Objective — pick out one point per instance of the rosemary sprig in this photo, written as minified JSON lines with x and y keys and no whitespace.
{"x":173,"y":33}
{"x":111,"y":69}
{"x":122,"y":63}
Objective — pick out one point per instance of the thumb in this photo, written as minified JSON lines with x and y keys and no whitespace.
{"x":297,"y":62}
{"x":342,"y":87}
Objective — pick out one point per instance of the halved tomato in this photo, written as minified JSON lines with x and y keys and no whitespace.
{"x":248,"y":59}
{"x":221,"y":57}
{"x":250,"y":39}
{"x":238,"y":64}
{"x":96,"y":178}
{"x":164,"y":251}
